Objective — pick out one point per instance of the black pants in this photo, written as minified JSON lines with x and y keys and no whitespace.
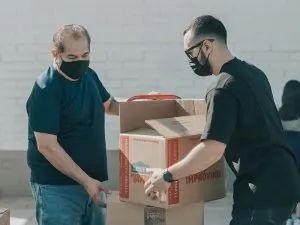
{"x":270,"y":216}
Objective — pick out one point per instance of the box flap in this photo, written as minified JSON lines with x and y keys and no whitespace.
{"x":178,"y":126}
{"x":144,"y":132}
{"x":134,"y":114}
{"x":188,"y":107}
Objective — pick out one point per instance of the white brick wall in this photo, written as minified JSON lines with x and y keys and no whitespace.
{"x":137,"y":47}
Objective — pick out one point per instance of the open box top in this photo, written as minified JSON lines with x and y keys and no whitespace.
{"x":178,"y":126}
{"x":170,"y":118}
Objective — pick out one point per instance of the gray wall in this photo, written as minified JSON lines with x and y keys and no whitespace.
{"x":137,"y":47}
{"x":14,"y":173}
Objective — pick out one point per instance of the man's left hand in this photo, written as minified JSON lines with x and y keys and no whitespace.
{"x":155,"y":187}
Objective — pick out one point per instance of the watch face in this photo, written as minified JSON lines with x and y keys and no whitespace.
{"x":168,"y":177}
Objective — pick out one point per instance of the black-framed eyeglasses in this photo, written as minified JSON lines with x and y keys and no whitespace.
{"x":188,"y":52}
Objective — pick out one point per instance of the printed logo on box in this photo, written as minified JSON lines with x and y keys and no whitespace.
{"x":154,"y":215}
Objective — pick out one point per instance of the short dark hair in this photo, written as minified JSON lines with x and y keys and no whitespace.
{"x":74,"y":30}
{"x":208,"y":25}
{"x":290,"y":109}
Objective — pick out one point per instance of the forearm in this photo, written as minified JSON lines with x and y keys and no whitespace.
{"x":57,"y":156}
{"x":199,"y":158}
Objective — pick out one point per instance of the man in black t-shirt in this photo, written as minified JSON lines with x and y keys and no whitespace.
{"x":243,"y":124}
{"x":66,"y":134}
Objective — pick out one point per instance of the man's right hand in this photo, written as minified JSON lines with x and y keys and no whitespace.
{"x":94,"y":189}
{"x":56,"y":155}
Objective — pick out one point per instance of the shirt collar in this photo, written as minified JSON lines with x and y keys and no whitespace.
{"x":227,"y":65}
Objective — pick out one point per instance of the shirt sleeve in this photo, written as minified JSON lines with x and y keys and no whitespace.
{"x":43,"y":108}
{"x":221,"y":117}
{"x":103,"y":92}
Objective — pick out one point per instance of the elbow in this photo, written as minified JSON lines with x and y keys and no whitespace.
{"x":42,"y":148}
{"x":219,"y":154}
{"x":45,"y":142}
{"x":45,"y":148}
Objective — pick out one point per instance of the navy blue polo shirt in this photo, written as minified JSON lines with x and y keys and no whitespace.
{"x":74,"y":112}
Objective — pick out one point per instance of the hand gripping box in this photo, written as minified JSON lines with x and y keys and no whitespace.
{"x":157,"y":134}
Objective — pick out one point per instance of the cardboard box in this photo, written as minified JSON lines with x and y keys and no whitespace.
{"x":158,"y":134}
{"x":4,"y":217}
{"x":134,"y":214}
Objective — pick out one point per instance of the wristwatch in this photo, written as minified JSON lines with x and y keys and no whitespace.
{"x":167,"y":176}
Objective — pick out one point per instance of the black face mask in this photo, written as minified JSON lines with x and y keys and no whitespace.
{"x":202,"y":70}
{"x":74,"y":69}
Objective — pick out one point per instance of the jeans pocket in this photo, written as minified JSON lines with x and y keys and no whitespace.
{"x":35,"y":189}
{"x":36,"y":192}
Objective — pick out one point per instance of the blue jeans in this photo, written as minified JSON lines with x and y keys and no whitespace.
{"x":65,"y":205}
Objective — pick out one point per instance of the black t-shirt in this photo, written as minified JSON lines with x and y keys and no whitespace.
{"x":242,"y":114}
{"x":74,"y":111}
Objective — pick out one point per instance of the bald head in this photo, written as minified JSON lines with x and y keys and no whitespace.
{"x":67,"y":32}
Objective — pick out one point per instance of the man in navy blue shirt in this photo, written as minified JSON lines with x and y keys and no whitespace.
{"x":243,"y":124}
{"x":66,"y":135}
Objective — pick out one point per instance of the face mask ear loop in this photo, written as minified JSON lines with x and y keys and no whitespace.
{"x":203,"y":54}
{"x":199,"y":53}
{"x":58,"y":61}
